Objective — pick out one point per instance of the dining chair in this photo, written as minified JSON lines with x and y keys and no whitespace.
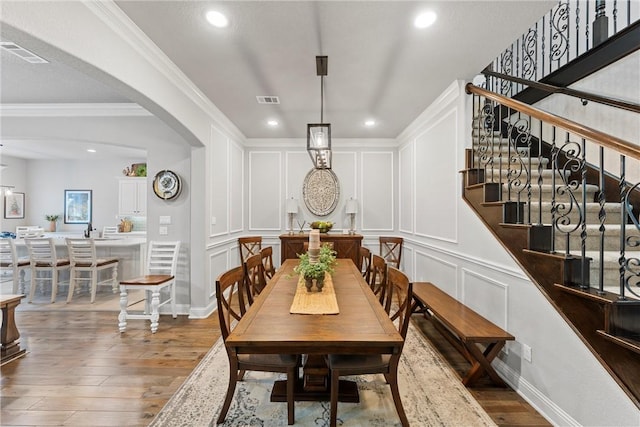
{"x":391,"y":250}
{"x":160,"y":273}
{"x":9,"y":261}
{"x":109,"y":231}
{"x":230,"y":286}
{"x":400,"y":290}
{"x":378,"y":280}
{"x":254,"y":274}
{"x":267,"y":261}
{"x":43,"y":258}
{"x":249,"y":246}
{"x":83,"y":258}
{"x":365,"y":262}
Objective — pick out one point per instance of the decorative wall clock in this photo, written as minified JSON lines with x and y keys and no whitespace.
{"x":166,"y":184}
{"x":321,"y":191}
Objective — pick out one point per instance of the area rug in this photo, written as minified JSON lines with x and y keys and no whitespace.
{"x":432,"y":395}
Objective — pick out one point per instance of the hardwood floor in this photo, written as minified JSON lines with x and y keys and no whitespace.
{"x":81,"y":371}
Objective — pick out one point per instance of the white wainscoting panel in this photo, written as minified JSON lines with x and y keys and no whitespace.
{"x":236,"y":188}
{"x":441,"y":273}
{"x":377,"y":191}
{"x":485,"y":296}
{"x":297,"y":165}
{"x":218,"y":153}
{"x":344,"y":166}
{"x":218,"y":264}
{"x":406,"y":192}
{"x":265,"y":182}
{"x":437,"y":180}
{"x":407,"y":263}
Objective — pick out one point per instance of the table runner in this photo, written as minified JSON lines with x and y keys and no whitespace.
{"x":315,"y":302}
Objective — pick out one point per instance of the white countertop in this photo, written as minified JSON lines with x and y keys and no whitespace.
{"x":100,"y":242}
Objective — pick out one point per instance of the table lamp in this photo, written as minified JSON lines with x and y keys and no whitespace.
{"x":292,"y":210}
{"x":352,"y":209}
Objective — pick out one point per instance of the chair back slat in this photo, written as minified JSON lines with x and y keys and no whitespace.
{"x":41,"y":251}
{"x":162,"y":257}
{"x":249,"y":246}
{"x":267,"y":261}
{"x":254,"y":277}
{"x":378,"y":280}
{"x":400,"y":294}
{"x":81,"y":251}
{"x":365,"y":262}
{"x":7,"y":258}
{"x":230,"y":286}
{"x":391,"y":250}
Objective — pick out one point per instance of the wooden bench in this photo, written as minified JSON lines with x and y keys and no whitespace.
{"x":9,"y":333}
{"x":465,"y":329}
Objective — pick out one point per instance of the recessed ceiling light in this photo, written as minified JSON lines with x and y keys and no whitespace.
{"x":217,"y":19}
{"x":425,"y":19}
{"x":91,"y":150}
{"x":370,"y":122}
{"x":272,"y":123}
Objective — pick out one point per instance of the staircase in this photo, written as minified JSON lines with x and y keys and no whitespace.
{"x":534,"y":180}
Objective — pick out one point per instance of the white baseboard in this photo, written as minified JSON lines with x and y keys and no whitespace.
{"x":541,"y":403}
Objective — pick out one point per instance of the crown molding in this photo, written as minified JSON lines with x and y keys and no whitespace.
{"x":74,"y":110}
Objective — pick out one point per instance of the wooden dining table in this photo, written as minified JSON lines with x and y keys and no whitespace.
{"x":360,"y":327}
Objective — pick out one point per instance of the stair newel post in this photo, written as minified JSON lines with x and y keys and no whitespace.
{"x":602,"y":216}
{"x":584,"y":265}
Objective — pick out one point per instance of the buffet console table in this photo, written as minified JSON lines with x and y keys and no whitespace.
{"x":346,"y":245}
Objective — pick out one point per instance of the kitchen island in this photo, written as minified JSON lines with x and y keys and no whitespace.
{"x":131,"y":251}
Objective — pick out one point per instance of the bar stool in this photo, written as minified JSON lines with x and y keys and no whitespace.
{"x":43,"y":258}
{"x":160,"y":273}
{"x":82,"y":255}
{"x":9,"y":261}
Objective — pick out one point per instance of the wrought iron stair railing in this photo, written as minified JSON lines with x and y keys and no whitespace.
{"x":569,"y":197}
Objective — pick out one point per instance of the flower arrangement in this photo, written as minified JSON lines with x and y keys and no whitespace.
{"x":53,"y":217}
{"x":317,"y":270}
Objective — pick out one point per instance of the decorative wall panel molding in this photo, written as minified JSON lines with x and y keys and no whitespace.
{"x":236,"y":188}
{"x":265,"y":191}
{"x":406,"y":193}
{"x":438,"y":221}
{"x":378,"y":189}
{"x":218,"y":156}
{"x":218,"y":263}
{"x":442,"y":273}
{"x":486,"y":296}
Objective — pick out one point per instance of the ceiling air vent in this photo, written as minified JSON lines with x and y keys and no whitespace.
{"x":22,"y":53}
{"x":268,"y":99}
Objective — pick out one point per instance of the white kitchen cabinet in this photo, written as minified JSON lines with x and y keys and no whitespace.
{"x":132,"y":198}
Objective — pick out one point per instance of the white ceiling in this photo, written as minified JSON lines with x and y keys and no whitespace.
{"x":380,"y":66}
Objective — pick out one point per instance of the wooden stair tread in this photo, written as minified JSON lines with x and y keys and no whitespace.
{"x":627,"y":343}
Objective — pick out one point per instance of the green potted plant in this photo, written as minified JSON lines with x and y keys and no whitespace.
{"x":316,"y":270}
{"x":52,"y":221}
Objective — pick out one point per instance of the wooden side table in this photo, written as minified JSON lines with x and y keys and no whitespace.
{"x":346,"y":245}
{"x":9,"y":333}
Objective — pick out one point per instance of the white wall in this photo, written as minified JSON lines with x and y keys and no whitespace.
{"x":447,"y":244}
{"x":14,"y":174}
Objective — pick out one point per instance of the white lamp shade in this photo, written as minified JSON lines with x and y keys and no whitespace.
{"x":292,"y":206}
{"x":352,"y":206}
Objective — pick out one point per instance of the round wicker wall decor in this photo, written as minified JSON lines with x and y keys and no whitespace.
{"x":321,"y":191}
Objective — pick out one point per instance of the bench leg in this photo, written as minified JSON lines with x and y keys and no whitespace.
{"x":483,"y":363}
{"x":122,"y":317}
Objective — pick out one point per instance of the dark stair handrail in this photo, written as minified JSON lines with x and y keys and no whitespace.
{"x":602,"y":139}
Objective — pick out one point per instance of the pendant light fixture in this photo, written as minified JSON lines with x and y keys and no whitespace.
{"x":319,"y":134}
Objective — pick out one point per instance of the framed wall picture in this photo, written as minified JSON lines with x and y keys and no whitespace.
{"x":14,"y":205}
{"x":77,"y":206}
